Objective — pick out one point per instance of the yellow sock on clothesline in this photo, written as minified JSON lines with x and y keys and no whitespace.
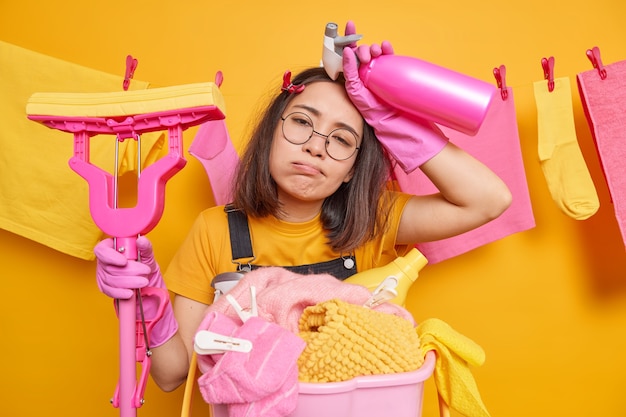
{"x":562,"y":162}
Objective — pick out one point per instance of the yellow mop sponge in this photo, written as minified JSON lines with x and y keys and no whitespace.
{"x":346,"y":340}
{"x":126,"y":103}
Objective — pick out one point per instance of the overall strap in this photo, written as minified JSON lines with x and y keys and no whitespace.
{"x":240,"y":242}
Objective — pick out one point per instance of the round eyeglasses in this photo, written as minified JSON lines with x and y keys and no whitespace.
{"x":341,"y":143}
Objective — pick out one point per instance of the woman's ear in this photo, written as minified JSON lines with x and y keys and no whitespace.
{"x":349,"y":176}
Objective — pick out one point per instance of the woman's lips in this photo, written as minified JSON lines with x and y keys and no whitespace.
{"x":307,"y":168}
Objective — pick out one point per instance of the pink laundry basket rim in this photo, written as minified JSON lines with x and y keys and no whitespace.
{"x":373,"y":381}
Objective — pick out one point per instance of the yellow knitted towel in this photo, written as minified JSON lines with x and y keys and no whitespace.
{"x":455,"y":352}
{"x":346,"y":340}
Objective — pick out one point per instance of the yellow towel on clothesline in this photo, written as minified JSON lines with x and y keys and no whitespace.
{"x":455,"y":352}
{"x":41,"y":198}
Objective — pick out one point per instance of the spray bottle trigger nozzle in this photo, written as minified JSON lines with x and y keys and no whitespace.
{"x":343,"y":41}
{"x":332,"y":52}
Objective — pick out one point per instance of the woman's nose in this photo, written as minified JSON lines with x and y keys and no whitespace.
{"x":316,"y":145}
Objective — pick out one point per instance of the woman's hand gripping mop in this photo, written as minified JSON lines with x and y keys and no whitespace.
{"x":127,"y":270}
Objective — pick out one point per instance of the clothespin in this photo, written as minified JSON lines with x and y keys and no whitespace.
{"x":244,"y":314}
{"x":131,"y":66}
{"x":385,"y":291}
{"x":594,"y":56}
{"x":219,"y":78}
{"x":209,"y":343}
{"x":500,"y":74}
{"x":548,"y":71}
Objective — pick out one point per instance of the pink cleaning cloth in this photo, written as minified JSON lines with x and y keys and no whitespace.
{"x":497,"y":145}
{"x":262,"y":382}
{"x":283,"y":295}
{"x":215,"y":151}
{"x":604,"y":102}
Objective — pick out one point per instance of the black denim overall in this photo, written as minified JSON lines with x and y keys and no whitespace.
{"x":243,"y":255}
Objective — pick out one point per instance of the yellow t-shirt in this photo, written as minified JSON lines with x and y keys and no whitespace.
{"x":206,"y":251}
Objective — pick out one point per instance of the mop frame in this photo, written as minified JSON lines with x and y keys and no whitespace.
{"x":112,"y":114}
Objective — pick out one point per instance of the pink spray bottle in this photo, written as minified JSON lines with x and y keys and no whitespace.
{"x":416,"y":87}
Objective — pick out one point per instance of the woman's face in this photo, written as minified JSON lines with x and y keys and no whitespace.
{"x":306,"y":172}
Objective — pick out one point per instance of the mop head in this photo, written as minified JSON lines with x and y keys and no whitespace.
{"x":346,"y":340}
{"x":126,"y":103}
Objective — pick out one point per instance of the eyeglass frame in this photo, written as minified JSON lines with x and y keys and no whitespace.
{"x":315,"y":132}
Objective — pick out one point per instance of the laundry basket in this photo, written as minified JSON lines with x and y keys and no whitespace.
{"x":393,"y":395}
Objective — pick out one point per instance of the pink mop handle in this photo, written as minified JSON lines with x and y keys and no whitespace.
{"x":127,"y":312}
{"x":127,"y":365}
{"x":125,"y":224}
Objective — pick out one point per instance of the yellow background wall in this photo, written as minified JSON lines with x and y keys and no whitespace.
{"x":548,"y":305}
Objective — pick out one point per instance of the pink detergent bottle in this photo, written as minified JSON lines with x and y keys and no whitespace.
{"x":416,"y":87}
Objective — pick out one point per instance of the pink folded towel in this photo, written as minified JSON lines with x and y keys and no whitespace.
{"x":262,"y":382}
{"x":496,"y":145}
{"x":283,"y":295}
{"x":604,"y":102}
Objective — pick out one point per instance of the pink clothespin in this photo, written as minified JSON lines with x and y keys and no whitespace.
{"x":500,"y":74}
{"x":594,"y":56}
{"x":219,"y":78}
{"x":548,"y":71}
{"x":131,"y":66}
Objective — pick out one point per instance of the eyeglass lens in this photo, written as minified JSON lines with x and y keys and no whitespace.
{"x":340,"y":143}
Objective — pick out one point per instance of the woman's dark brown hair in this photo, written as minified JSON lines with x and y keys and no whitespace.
{"x":354,"y":214}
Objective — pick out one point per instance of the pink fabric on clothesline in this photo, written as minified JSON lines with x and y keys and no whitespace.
{"x":497,"y":145}
{"x":215,"y":151}
{"x":604,"y":102}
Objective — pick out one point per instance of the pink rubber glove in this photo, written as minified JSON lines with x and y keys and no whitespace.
{"x":410,"y":140}
{"x":117,"y":277}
